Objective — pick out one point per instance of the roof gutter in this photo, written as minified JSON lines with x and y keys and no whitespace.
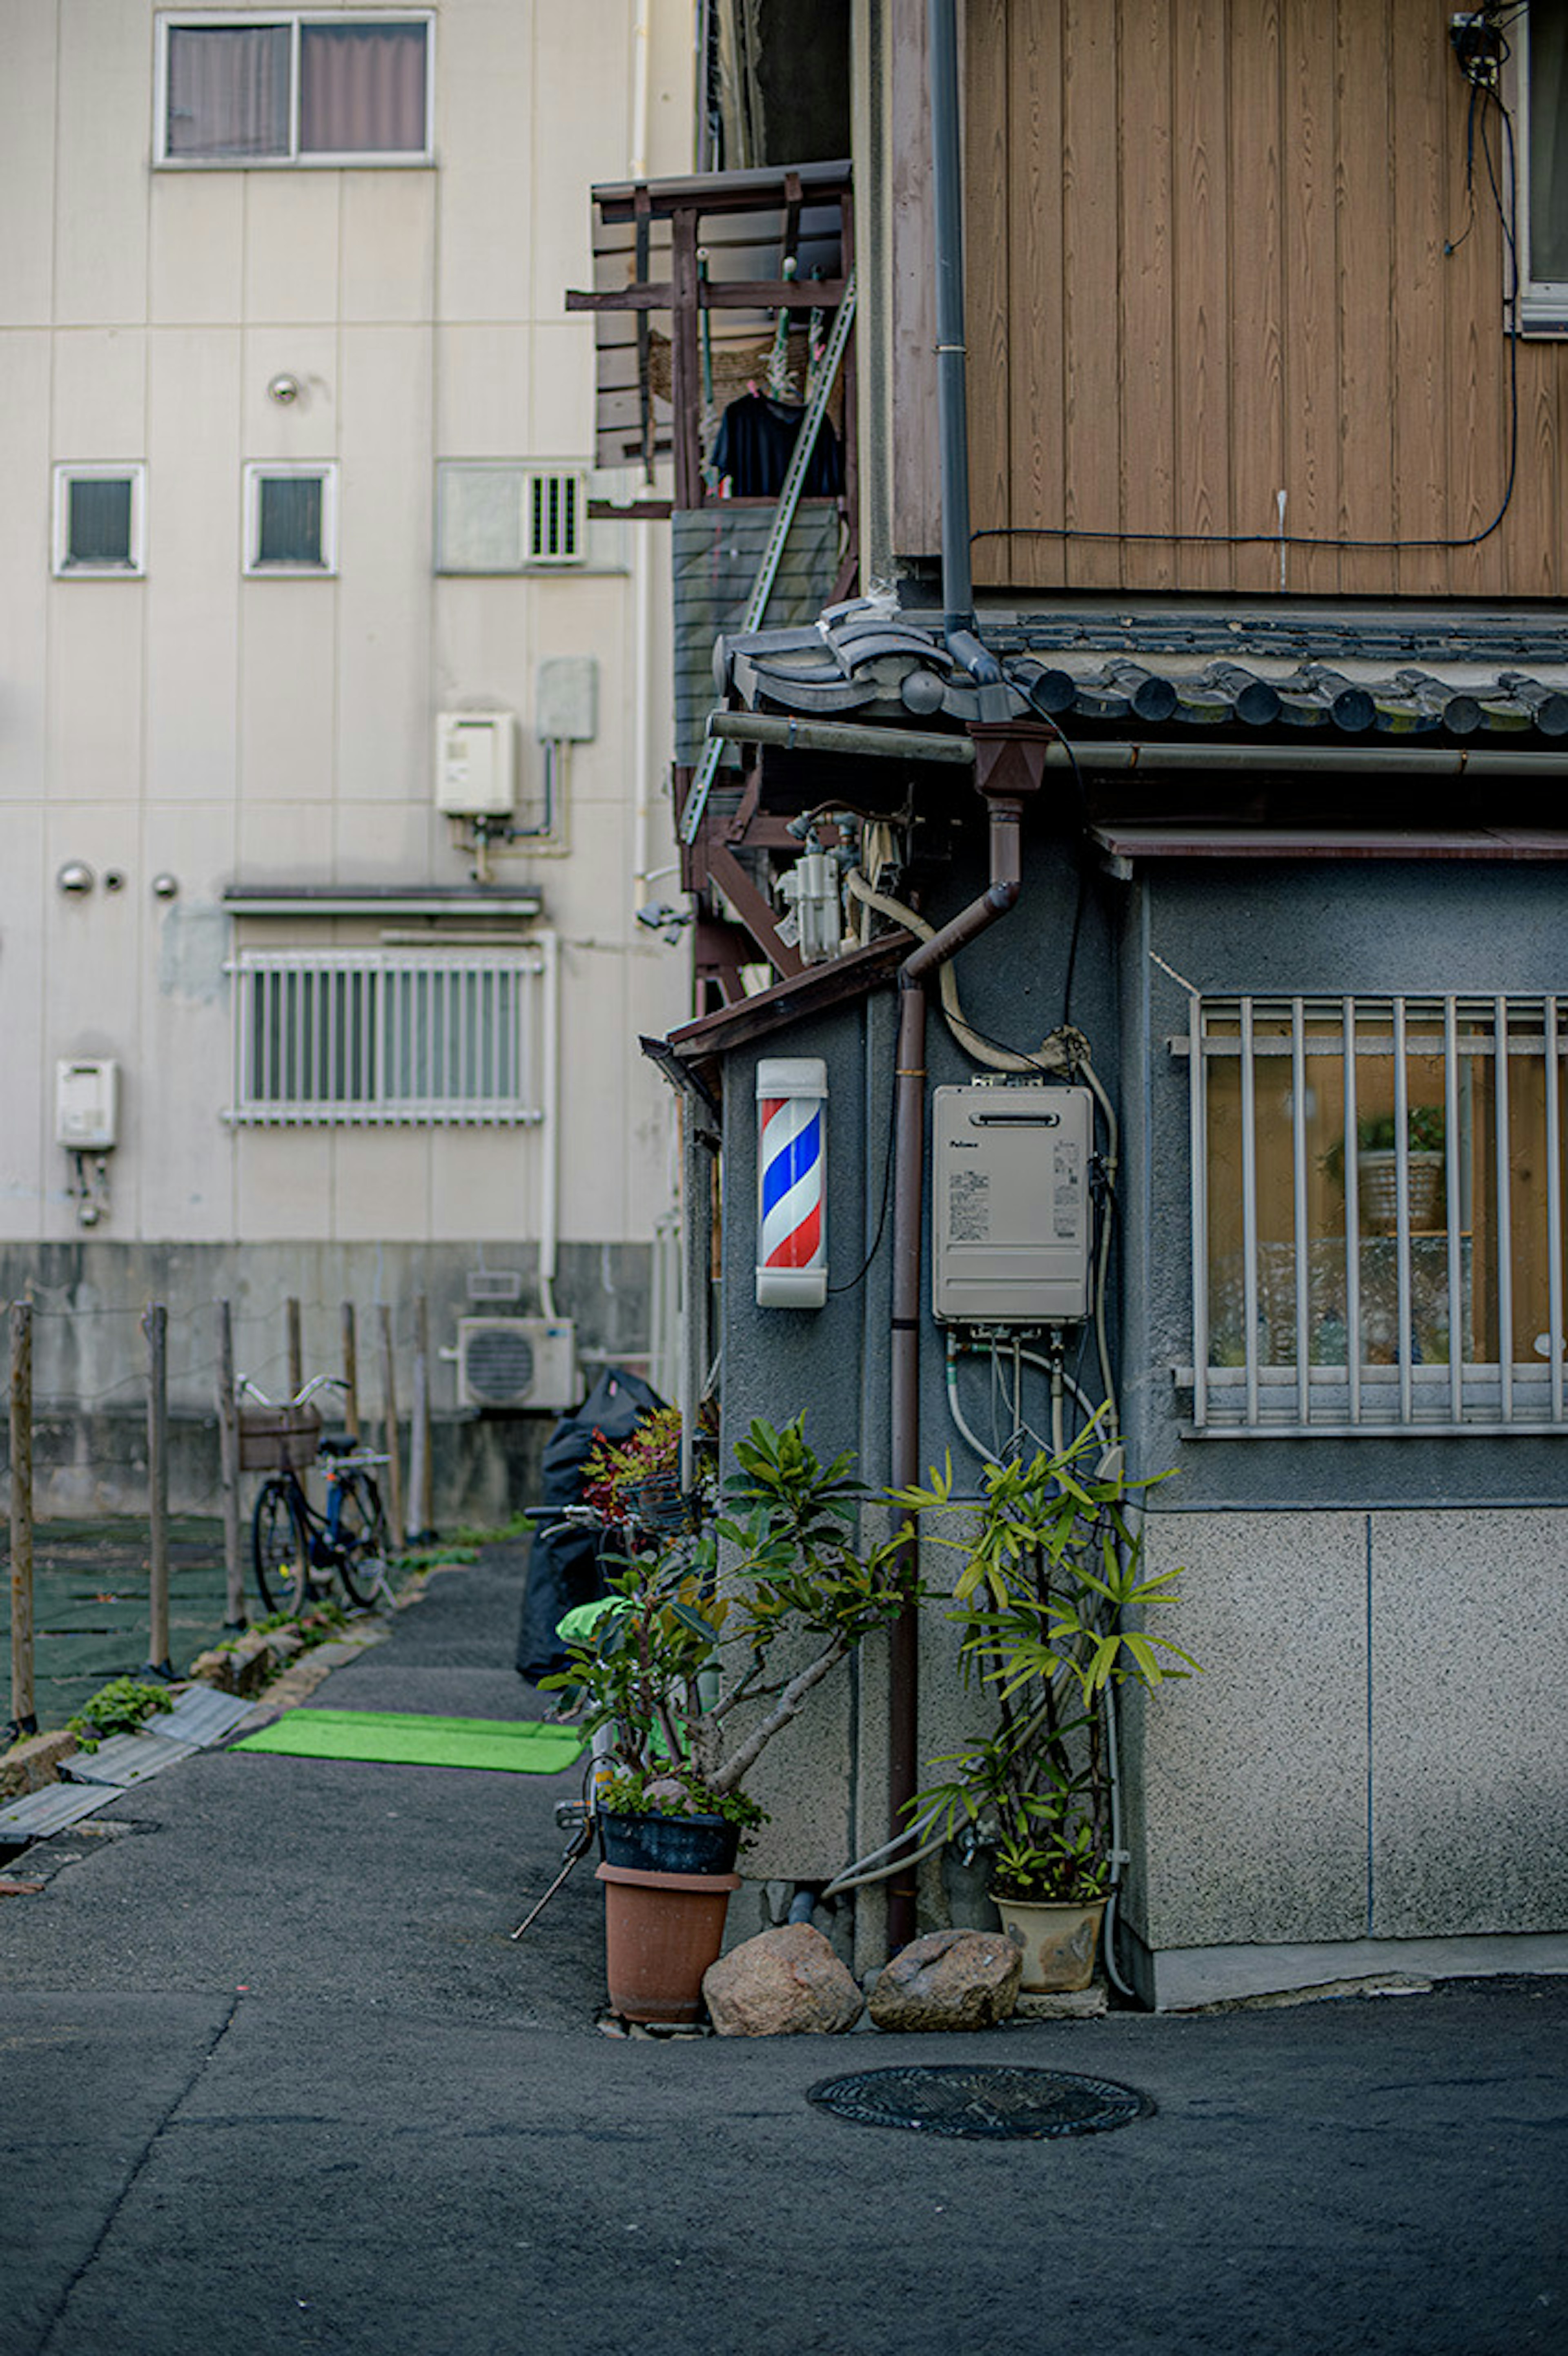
{"x":1110,"y":756}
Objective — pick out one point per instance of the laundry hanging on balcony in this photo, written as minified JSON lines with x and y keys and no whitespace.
{"x":756,"y":441}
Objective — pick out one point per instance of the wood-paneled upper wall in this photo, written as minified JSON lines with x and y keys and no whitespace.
{"x":1206,"y":262}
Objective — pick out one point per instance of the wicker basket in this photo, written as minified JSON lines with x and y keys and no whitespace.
{"x":1377,"y":1181}
{"x":278,"y":1439}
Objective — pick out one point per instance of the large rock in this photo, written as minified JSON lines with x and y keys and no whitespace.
{"x":783,"y":1983}
{"x":949,"y":1979}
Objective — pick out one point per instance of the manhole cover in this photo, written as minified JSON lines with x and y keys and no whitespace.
{"x":951,"y":2100}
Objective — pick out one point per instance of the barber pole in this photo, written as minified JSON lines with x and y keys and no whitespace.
{"x":791,"y":1163}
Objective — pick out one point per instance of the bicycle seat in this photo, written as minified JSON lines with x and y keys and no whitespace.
{"x":337,"y":1443}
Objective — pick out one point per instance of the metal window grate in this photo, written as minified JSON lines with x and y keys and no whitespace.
{"x":1377,"y":1215}
{"x":555,"y":520}
{"x":375,"y":1035}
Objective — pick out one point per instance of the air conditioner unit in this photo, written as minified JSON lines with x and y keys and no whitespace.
{"x":517,"y":1361}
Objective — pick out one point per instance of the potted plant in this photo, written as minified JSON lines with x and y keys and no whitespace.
{"x":1052,"y":1600}
{"x":708,"y":1646}
{"x":1377,"y":1166}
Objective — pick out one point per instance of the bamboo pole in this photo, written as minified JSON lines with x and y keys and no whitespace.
{"x":389,"y":1418}
{"x":296,"y":1351}
{"x":228,"y":1457}
{"x":23,"y":1708}
{"x":350,"y":1372}
{"x":155,"y":1326}
{"x":420,"y":1480}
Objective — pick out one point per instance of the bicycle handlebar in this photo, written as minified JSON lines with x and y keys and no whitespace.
{"x":301,"y":1398}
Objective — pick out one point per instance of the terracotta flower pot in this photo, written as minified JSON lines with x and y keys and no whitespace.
{"x":1058,"y":1942}
{"x":661,"y":1933}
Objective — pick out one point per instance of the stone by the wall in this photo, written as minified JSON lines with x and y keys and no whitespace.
{"x":949,"y":1979}
{"x":785,"y":1983}
{"x":28,"y":1766}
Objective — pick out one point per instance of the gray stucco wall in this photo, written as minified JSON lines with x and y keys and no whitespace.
{"x":1363,"y":1754}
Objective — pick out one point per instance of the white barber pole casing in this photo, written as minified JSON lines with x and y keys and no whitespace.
{"x":792,"y":1194}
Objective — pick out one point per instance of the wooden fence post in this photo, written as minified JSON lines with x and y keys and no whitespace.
{"x":24,"y":1711}
{"x":155,"y":1326}
{"x":297,"y":1352}
{"x":420,"y":1480}
{"x":390,"y":1417}
{"x":228,"y":1455}
{"x":350,"y":1372}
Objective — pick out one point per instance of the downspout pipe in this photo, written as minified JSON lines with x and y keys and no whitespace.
{"x":958,"y":623}
{"x":1001,"y":893}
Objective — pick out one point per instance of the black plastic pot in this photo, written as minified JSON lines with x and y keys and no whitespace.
{"x":656,"y":1843}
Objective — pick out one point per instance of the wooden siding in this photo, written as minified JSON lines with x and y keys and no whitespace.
{"x":1206,"y":262}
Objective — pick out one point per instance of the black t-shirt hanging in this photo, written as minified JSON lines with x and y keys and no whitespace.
{"x":756,"y":441}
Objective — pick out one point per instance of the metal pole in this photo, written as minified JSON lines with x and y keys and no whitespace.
{"x":228,"y":1460}
{"x":155,"y":1326}
{"x":422,"y":1472}
{"x":390,"y":1414}
{"x":24,"y":1718}
{"x":350,"y":1372}
{"x":297,"y":1352}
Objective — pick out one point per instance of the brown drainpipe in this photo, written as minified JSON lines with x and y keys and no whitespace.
{"x":1005,"y":811}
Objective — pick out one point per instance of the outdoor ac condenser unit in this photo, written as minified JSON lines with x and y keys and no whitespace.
{"x":517,"y":1361}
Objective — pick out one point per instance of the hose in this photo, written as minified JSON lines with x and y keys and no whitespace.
{"x":853,"y":1875}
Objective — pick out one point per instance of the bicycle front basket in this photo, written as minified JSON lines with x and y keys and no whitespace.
{"x":278,"y":1439}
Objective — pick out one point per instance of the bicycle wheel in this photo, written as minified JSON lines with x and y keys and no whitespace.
{"x":362,"y":1538}
{"x":280,"y":1547}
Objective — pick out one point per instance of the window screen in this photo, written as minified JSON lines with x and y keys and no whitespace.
{"x":288,"y":527}
{"x":1547,"y":132}
{"x":98,"y":529}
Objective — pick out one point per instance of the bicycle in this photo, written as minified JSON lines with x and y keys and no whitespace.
{"x":294,"y":1550}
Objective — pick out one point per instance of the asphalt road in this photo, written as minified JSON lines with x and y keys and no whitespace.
{"x":275,"y":2077}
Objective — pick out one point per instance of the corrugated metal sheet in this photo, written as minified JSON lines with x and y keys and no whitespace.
{"x":126,"y":1759}
{"x":715,"y":555}
{"x":203,"y":1715}
{"x":42,"y":1814}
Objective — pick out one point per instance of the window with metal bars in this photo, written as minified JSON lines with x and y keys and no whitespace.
{"x":1377,"y":1214}
{"x":379,"y":1035}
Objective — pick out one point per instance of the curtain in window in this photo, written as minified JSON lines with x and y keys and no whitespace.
{"x":229,"y":91}
{"x":362,"y":89}
{"x":1549,"y":140}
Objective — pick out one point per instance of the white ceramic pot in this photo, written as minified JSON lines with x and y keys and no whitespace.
{"x":1058,"y":1942}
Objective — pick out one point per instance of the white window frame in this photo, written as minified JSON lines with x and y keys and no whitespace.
{"x":65,"y":568}
{"x":1543,"y":302}
{"x":326,"y":1073}
{"x":294,"y":161}
{"x":259,"y":470}
{"x":1458,"y":1397}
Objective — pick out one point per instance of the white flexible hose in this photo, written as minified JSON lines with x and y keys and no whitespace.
{"x":853,"y":1875}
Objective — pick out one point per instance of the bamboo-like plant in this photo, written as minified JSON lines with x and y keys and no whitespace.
{"x":678,"y":1650}
{"x":1050,"y":1596}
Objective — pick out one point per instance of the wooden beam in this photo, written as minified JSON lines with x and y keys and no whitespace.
{"x":751,"y":905}
{"x":715,"y":294}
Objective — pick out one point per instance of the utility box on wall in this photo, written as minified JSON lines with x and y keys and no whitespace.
{"x":1010,"y":1205}
{"x":475,"y":763}
{"x":87,"y":1104}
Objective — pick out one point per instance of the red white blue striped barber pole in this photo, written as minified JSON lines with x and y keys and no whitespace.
{"x":792,"y":1167}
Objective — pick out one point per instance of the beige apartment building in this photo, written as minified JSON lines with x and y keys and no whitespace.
{"x":334,"y":709}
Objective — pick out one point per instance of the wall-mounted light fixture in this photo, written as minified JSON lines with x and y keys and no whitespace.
{"x":75,"y":877}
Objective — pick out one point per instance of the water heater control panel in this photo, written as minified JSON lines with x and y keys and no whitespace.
{"x":1011,"y":1213}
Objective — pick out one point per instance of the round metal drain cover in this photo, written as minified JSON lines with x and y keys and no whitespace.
{"x":955,"y":2100}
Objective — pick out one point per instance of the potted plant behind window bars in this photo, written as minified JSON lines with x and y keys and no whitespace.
{"x":1050,"y":1597}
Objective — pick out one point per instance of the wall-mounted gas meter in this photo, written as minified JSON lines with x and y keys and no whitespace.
{"x":1012,"y":1217}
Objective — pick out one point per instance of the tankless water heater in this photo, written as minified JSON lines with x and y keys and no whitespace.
{"x":1012,"y":1215}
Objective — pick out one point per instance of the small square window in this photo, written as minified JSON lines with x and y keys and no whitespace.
{"x":290,"y":518}
{"x":294,"y":89}
{"x":98,"y":520}
{"x":1537,"y":82}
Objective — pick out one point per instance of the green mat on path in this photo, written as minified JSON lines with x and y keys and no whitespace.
{"x":403,"y":1738}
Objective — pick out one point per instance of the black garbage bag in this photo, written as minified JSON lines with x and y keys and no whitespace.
{"x":564,"y":1562}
